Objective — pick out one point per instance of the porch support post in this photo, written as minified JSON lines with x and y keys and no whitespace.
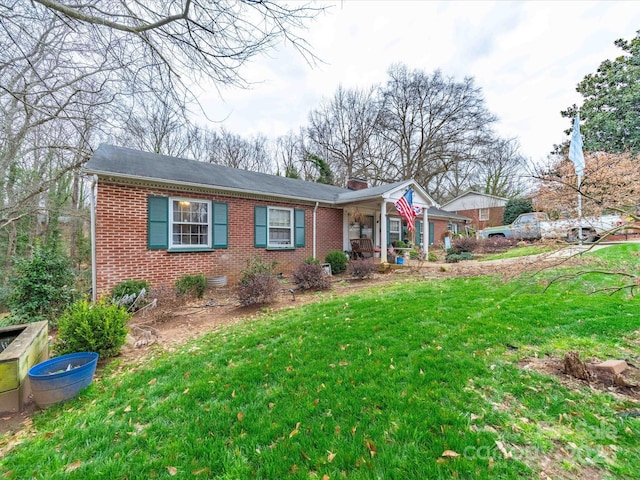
{"x":383,"y":231}
{"x":425,"y":232}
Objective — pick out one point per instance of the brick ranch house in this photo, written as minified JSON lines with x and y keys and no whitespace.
{"x":156,"y":218}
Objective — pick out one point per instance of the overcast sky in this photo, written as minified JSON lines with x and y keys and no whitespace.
{"x":527,"y":57}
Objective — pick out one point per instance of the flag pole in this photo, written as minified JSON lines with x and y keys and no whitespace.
{"x":579,"y":212}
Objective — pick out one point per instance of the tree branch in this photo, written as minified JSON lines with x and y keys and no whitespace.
{"x":82,"y":17}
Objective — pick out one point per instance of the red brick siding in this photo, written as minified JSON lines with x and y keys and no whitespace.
{"x":495,"y":217}
{"x":440,"y":227}
{"x":121,"y":239}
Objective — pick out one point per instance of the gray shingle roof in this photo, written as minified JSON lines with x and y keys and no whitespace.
{"x":128,"y":163}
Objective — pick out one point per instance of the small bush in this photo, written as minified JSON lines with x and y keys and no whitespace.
{"x":457,"y":257}
{"x":87,"y":327}
{"x":432,"y":257}
{"x":258,"y":285}
{"x":338,"y":261}
{"x":260,"y":289}
{"x":312,"y":261}
{"x":43,"y":285}
{"x":362,"y":268}
{"x":497,"y":244}
{"x":463,"y":244}
{"x":130,"y":293}
{"x":192,"y":285}
{"x":311,"y":276}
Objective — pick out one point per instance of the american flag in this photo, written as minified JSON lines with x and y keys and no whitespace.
{"x":404,"y":206}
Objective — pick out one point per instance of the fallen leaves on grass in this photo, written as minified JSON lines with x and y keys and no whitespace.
{"x":73,"y":466}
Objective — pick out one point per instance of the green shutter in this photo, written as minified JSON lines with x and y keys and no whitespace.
{"x":157,"y":222}
{"x":388,"y":233}
{"x":220,"y":225}
{"x":418,"y":231}
{"x":432,"y":231}
{"x":299,"y":224}
{"x":260,"y":226}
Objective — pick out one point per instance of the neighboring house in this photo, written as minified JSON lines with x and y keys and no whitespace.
{"x":483,"y":210}
{"x":443,"y":223}
{"x":156,"y":217}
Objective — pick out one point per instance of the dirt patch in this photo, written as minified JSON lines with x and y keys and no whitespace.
{"x":625,"y":384}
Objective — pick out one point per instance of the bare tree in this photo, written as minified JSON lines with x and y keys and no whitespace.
{"x":502,"y":168}
{"x":340,"y":129}
{"x":432,"y":122}
{"x":155,"y":126}
{"x":189,"y":41}
{"x":232,"y":150}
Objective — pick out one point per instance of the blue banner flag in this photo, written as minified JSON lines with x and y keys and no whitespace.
{"x":575,"y":147}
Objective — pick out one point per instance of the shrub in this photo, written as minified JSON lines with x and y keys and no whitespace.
{"x":43,"y":285}
{"x":130,"y":293}
{"x":87,"y":327}
{"x":192,"y":285}
{"x":258,"y":285}
{"x":362,"y":268}
{"x":338,"y":261}
{"x":312,"y":261}
{"x":497,"y":244}
{"x":260,"y":289}
{"x":463,"y":244}
{"x":457,"y":257}
{"x":311,"y":276}
{"x":399,"y":244}
{"x":432,"y":257}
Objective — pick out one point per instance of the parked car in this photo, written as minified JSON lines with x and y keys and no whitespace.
{"x":536,"y":225}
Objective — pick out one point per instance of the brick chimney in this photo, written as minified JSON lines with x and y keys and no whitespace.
{"x":357,"y":184}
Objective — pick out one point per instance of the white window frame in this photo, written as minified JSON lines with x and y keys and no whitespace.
{"x":209,"y":224}
{"x":483,"y":214}
{"x":291,"y":228}
{"x":395,"y":231}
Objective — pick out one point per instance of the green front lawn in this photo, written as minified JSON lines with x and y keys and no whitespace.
{"x":412,"y":380}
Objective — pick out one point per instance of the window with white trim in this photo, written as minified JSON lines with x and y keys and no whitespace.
{"x":483,"y":214}
{"x":395,"y":227}
{"x":280,"y":227}
{"x":190,"y":223}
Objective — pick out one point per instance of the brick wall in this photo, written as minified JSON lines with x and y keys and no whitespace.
{"x":440,"y":228}
{"x":121,"y":239}
{"x":495,"y":217}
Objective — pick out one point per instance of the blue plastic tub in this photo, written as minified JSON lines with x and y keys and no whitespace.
{"x":61,"y":378}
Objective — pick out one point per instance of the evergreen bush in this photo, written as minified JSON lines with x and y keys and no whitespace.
{"x":193,"y":285}
{"x":457,"y":257}
{"x":338,"y":261}
{"x":43,"y":286}
{"x":87,"y":327}
{"x":515,"y":207}
{"x":131,"y":294}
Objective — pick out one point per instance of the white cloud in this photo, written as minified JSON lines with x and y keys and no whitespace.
{"x":527,"y":57}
